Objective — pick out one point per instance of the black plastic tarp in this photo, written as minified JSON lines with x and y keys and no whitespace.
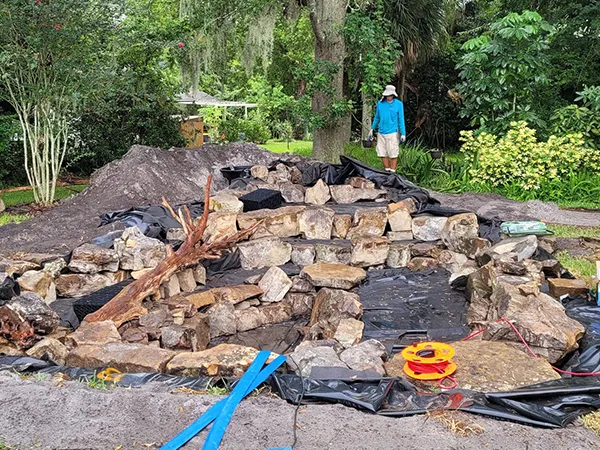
{"x":400,"y":306}
{"x":550,"y":405}
{"x":152,"y":220}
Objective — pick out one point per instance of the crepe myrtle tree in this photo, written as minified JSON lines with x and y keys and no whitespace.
{"x":54,"y":54}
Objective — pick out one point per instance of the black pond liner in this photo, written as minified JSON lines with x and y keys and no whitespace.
{"x":401,"y":307}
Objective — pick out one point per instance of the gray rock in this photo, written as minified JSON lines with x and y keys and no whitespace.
{"x":330,"y":308}
{"x":349,"y":332}
{"x":306,"y":356}
{"x":200,"y":274}
{"x":303,"y":254}
{"x":292,"y":193}
{"x":336,"y":252}
{"x":54,"y":268}
{"x":155,"y":319}
{"x":368,"y":355}
{"x":265,"y":252}
{"x":524,"y":247}
{"x":398,"y":255}
{"x":275,"y":284}
{"x":34,"y":310}
{"x":187,"y":281}
{"x":301,"y":285}
{"x":318,"y":194}
{"x":301,"y":304}
{"x":90,"y":258}
{"x":452,"y":261}
{"x":369,"y":251}
{"x":171,"y":287}
{"x":399,"y":235}
{"x":222,"y":319}
{"x":428,"y":228}
{"x":137,"y":252}
{"x":316,"y":223}
{"x":249,"y":319}
{"x":345,"y":194}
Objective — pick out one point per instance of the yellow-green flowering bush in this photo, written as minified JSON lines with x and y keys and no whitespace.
{"x":518,"y":157}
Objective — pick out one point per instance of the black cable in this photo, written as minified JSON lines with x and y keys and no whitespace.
{"x":297,"y":409}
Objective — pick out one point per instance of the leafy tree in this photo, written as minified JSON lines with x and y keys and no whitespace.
{"x":52,"y":56}
{"x":501,"y":71}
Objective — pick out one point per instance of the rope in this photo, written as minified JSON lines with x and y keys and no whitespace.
{"x":433,"y":368}
{"x":566,"y":372}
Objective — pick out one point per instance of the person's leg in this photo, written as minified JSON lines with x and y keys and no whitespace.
{"x":393,"y":163}
{"x":385,"y":162}
{"x":393,"y":151}
{"x":381,"y":149}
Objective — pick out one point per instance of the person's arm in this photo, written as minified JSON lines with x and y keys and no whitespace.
{"x":401,"y":120}
{"x":376,"y":119}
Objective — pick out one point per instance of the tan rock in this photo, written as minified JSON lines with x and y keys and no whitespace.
{"x":316,"y":223}
{"x":49,"y":349}
{"x":129,"y":358}
{"x":220,"y":226}
{"x":458,"y":229}
{"x":137,"y":252}
{"x":233,"y":294}
{"x":225,"y":360}
{"x":349,"y":332}
{"x":172,"y":287}
{"x":564,"y":286}
{"x":368,"y":222}
{"x":79,"y":284}
{"x":318,"y":194}
{"x":249,"y":319}
{"x":281,"y":222}
{"x":486,"y":367}
{"x":275,"y":285}
{"x":94,"y":333}
{"x":137,"y":274}
{"x":276,"y":312}
{"x":345,"y":194}
{"x":420,"y":263}
{"x":135,"y":335}
{"x":200,"y":299}
{"x":361,"y":183}
{"x":225,"y":202}
{"x":200,"y":274}
{"x":452,"y":261}
{"x":399,"y":235}
{"x":400,"y":220}
{"x":407,"y":205}
{"x":369,"y":251}
{"x":301,"y":304}
{"x":16,"y":267}
{"x":337,"y":276}
{"x":341,"y":225}
{"x":260,"y":172}
{"x":38,"y":282}
{"x":264,"y":252}
{"x":116,"y":277}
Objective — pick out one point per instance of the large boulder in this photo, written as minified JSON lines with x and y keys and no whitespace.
{"x":334,"y":252}
{"x":32,"y":308}
{"x":137,"y":252}
{"x":486,"y":367}
{"x":225,"y":360}
{"x":524,"y":247}
{"x":49,"y":349}
{"x":281,"y":222}
{"x":129,"y":358}
{"x":94,"y":333}
{"x":264,"y":252}
{"x":292,"y":193}
{"x":458,"y":232}
{"x":345,"y":193}
{"x":337,"y":276}
{"x":90,"y":258}
{"x":39,"y":282}
{"x":220,"y":225}
{"x":316,"y":223}
{"x":349,"y":332}
{"x":226,"y":202}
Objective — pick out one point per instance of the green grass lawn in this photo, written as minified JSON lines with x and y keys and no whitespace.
{"x":23,"y":197}
{"x":302,"y":148}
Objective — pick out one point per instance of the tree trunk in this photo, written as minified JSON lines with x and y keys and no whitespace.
{"x":327,"y":19}
{"x":367,"y":113}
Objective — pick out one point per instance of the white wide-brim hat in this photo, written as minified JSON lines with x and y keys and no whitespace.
{"x":389,"y":90}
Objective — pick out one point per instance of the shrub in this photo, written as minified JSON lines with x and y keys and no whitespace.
{"x":584,"y":119}
{"x":518,"y":157}
{"x":12,"y":170}
{"x":233,"y":130}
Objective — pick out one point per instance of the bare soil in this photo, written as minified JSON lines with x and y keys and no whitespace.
{"x":143,"y":176}
{"x":42,"y":415}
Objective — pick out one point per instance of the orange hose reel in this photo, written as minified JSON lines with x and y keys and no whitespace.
{"x":429,"y":361}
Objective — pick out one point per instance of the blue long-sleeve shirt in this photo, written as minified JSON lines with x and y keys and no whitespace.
{"x":389,"y":116}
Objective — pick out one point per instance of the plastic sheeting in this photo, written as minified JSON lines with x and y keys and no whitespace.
{"x":400,"y":307}
{"x":551,"y":405}
{"x":153,"y":220}
{"x":9,"y":288}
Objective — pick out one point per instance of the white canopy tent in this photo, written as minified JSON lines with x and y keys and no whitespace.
{"x":203,"y":99}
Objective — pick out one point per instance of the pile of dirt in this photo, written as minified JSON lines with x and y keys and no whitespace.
{"x":143,"y":176}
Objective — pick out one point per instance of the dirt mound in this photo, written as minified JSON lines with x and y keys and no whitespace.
{"x":143,"y":176}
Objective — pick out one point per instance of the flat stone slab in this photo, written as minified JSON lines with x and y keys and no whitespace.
{"x":486,"y":366}
{"x":338,"y":276}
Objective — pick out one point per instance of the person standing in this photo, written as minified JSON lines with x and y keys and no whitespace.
{"x":389,"y":117}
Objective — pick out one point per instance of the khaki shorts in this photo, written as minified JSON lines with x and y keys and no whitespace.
{"x":387,"y":145}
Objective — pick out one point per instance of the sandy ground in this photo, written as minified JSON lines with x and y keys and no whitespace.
{"x":41,"y":415}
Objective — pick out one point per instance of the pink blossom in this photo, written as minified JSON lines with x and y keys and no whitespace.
{"x":180,"y":45}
